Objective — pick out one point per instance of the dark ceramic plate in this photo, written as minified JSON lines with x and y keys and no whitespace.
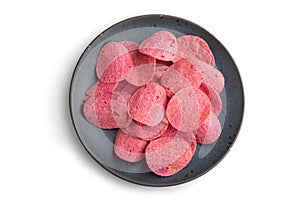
{"x":99,"y":143}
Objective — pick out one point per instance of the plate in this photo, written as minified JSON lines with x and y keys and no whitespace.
{"x":99,"y":142}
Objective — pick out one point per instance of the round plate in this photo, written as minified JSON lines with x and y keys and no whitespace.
{"x":99,"y":142}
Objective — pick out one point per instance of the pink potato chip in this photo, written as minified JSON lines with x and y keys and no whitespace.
{"x":92,"y":90}
{"x":161,"y":45}
{"x":129,"y":148}
{"x":96,"y":108}
{"x":126,"y":89}
{"x":211,"y":76}
{"x":159,"y":71}
{"x":193,"y":47}
{"x":105,"y":108}
{"x":143,"y":69}
{"x":119,"y":109}
{"x":187,"y":109}
{"x":98,"y":112}
{"x":121,"y":85}
{"x":209,"y":131}
{"x":147,"y":104}
{"x":214,"y":97}
{"x":180,"y":75}
{"x":89,"y":111}
{"x":166,"y":156}
{"x":129,"y":45}
{"x":113,"y":62}
{"x":144,"y":132}
{"x":189,"y":137}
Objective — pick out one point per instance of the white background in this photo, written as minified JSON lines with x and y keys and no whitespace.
{"x":40,"y":43}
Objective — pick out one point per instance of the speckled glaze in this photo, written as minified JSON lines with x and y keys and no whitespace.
{"x":99,"y":142}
